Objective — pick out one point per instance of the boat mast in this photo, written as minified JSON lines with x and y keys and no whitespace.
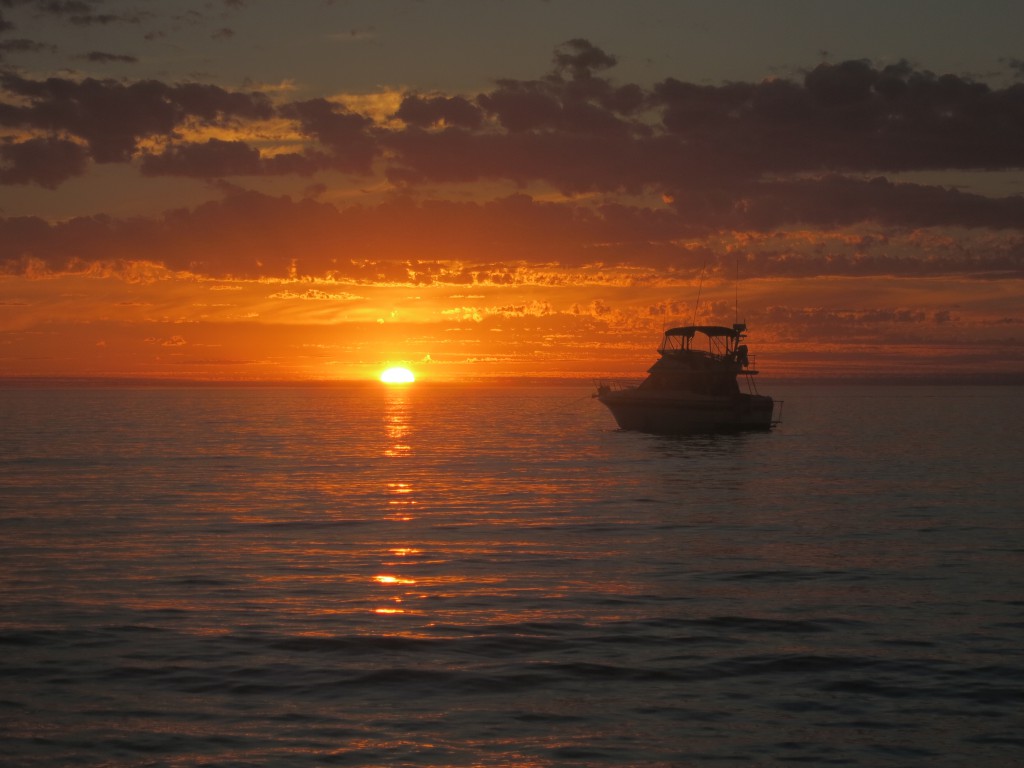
{"x":699,"y":286}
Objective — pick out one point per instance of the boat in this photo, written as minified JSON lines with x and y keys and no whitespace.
{"x":694,"y":386}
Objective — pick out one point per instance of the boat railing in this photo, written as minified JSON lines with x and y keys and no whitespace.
{"x":616,"y":385}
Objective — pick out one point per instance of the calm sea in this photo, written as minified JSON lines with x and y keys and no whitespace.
{"x":494,"y":576}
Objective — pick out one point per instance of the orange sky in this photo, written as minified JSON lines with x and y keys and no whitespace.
{"x":177,"y":225}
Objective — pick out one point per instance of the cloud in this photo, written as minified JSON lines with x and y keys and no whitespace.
{"x":213,"y":159}
{"x":580,"y":57}
{"x":428,"y":111}
{"x":111,"y":117}
{"x":22,"y":45}
{"x":782,"y":146}
{"x":345,"y":134}
{"x":46,"y":162}
{"x":511,"y":240}
{"x":314,"y":294}
{"x":532,"y":309}
{"x":850,"y":117}
{"x":173,"y":341}
{"x":763,"y":154}
{"x":99,"y":57}
{"x":81,"y":12}
{"x":834,"y":200}
{"x":778,"y":157}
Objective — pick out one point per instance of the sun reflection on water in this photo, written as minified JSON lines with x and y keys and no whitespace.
{"x":397,"y":423}
{"x":399,"y":496}
{"x":397,"y":440}
{"x":404,"y":551}
{"x":393,"y":580}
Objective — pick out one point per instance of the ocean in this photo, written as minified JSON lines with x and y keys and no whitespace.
{"x":470,"y":575}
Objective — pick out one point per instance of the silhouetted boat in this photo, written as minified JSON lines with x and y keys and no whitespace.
{"x":693,"y":387}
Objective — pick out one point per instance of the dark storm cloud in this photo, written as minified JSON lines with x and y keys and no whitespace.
{"x":536,"y":106}
{"x":724,"y":153}
{"x":346,"y":135}
{"x":212,"y":159}
{"x":251,"y":235}
{"x":812,"y":152}
{"x":839,"y":201}
{"x":850,"y":117}
{"x":112,"y":117}
{"x":581,"y":57}
{"x":771,"y":150}
{"x":216,"y":158}
{"x":579,"y":131}
{"x":581,"y":103}
{"x":46,"y":162}
{"x":571,"y":163}
{"x":248,"y":234}
{"x":425,"y":112}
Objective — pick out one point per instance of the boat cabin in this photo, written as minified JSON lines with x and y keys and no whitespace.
{"x":717,"y":341}
{"x":705,"y":359}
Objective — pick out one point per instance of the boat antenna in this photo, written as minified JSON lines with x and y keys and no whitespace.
{"x":699,"y":286}
{"x":736,"y":305}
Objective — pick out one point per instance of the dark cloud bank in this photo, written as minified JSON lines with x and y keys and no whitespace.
{"x":817,"y":152}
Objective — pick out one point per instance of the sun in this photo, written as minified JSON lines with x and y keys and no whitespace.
{"x":397,"y":376}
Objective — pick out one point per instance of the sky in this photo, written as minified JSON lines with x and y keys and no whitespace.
{"x":319,"y":189}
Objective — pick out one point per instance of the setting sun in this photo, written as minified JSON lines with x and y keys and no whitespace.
{"x":397,"y":376}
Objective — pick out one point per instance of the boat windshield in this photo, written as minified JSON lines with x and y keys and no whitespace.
{"x":717,"y":340}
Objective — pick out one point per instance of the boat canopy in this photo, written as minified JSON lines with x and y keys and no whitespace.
{"x":707,"y":330}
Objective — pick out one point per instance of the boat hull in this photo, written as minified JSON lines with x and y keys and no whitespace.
{"x":669,"y":414}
